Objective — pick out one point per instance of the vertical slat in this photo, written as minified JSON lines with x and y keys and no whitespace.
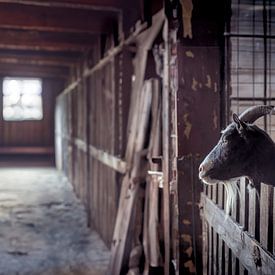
{"x":226,"y":249}
{"x":215,"y":252}
{"x":210,"y":248}
{"x":233,"y":258}
{"x":165,"y":140}
{"x":220,"y":242}
{"x":252,"y":212}
{"x":265,"y":203}
{"x":205,"y":242}
{"x":242,"y":210}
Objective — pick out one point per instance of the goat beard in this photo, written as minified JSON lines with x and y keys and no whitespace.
{"x":231,"y":188}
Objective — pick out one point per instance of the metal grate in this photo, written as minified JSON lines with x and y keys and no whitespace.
{"x":251,"y":47}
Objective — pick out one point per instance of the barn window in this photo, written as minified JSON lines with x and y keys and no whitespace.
{"x":22,"y":99}
{"x":251,"y":57}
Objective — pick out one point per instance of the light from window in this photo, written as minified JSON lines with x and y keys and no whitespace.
{"x":22,"y":99}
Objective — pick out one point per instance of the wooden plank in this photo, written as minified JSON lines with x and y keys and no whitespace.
{"x":109,"y":160}
{"x":26,"y":150}
{"x":157,"y":20}
{"x":265,"y":204}
{"x":242,"y":210}
{"x":233,"y":257}
{"x":205,"y":242}
{"x":103,"y":5}
{"x":15,"y":16}
{"x":226,"y":248}
{"x":165,"y":149}
{"x":252,"y":212}
{"x":22,"y":70}
{"x":36,"y":59}
{"x":130,"y":188}
{"x":47,"y":41}
{"x":215,"y":252}
{"x":154,"y":255}
{"x":220,"y":241}
{"x":241,"y":243}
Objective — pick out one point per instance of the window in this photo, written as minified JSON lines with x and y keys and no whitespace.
{"x":22,"y":99}
{"x":251,"y":38}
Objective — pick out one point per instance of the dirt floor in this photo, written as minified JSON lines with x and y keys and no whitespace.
{"x":43,"y":226}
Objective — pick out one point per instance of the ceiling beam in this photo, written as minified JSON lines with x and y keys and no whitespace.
{"x":49,"y":41}
{"x":37,"y":60}
{"x":21,"y":70}
{"x":28,"y":17}
{"x":103,"y":5}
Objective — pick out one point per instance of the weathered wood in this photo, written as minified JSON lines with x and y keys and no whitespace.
{"x":252,"y":212}
{"x":215,"y":264}
{"x":165,"y":149}
{"x":130,"y":186}
{"x":241,"y":243}
{"x":154,"y":255}
{"x":109,"y":160}
{"x":220,"y":241}
{"x":48,"y":41}
{"x":22,"y":70}
{"x":26,"y":150}
{"x":157,"y":19}
{"x":15,"y":16}
{"x":243,"y":207}
{"x":36,"y":59}
{"x":105,"y":5}
{"x":265,"y":203}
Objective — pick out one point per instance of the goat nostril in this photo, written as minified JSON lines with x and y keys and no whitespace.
{"x":201,"y":168}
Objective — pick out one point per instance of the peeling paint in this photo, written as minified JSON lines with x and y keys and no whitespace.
{"x":208,"y":82}
{"x":186,"y":222}
{"x":215,"y":119}
{"x":189,"y":251}
{"x":189,"y":54}
{"x":187,"y":126}
{"x":187,"y":8}
{"x":194,"y":84}
{"x":187,"y":238}
{"x":190,"y":265}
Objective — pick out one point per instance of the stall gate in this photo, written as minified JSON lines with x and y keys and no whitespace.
{"x":244,"y":242}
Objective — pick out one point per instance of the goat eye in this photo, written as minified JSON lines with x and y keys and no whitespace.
{"x":224,"y":141}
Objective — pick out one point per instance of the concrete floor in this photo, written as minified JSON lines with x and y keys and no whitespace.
{"x":43,"y":226}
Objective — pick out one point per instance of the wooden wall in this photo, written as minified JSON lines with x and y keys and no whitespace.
{"x":91,"y":123}
{"x":32,"y":133}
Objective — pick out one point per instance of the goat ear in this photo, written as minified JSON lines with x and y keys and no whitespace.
{"x":240,"y":124}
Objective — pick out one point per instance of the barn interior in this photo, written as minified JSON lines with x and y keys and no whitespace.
{"x":107,"y":109}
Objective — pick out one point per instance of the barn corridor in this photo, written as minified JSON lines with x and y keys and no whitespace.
{"x":43,"y":226}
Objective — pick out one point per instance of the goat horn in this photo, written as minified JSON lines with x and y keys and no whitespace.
{"x":255,"y":112}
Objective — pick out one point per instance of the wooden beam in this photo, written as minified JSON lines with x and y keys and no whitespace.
{"x":111,"y":161}
{"x":33,"y":71}
{"x":49,"y":41}
{"x":37,"y":60}
{"x":16,"y":16}
{"x":26,"y":150}
{"x":103,"y":5}
{"x":245,"y":248}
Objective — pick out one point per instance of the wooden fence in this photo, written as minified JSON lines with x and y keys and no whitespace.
{"x":244,"y":242}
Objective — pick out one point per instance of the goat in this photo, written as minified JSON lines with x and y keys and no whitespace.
{"x":244,"y":150}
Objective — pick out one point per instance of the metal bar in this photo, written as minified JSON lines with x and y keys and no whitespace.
{"x":247,"y":35}
{"x":251,"y":98}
